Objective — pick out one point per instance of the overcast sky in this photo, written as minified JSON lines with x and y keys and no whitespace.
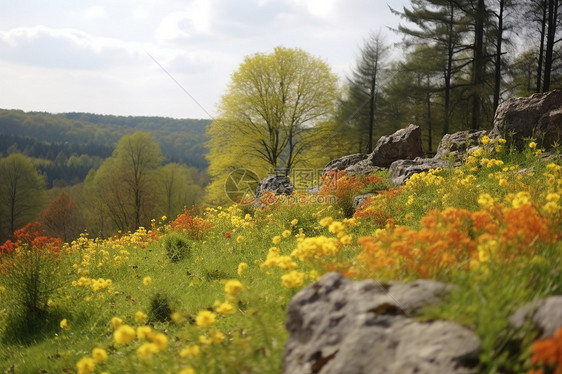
{"x":95,"y":56}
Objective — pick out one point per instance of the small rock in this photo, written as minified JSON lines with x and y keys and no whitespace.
{"x":545,"y":315}
{"x":404,"y":144}
{"x":343,"y":162}
{"x":277,"y":184}
{"x":401,"y":170}
{"x":458,"y":144}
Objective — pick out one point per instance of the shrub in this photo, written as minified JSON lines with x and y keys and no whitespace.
{"x":177,"y":247}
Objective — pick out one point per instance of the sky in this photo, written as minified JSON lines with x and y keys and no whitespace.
{"x":165,"y":57}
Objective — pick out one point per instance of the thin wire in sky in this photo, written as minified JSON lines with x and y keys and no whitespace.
{"x":179,"y":85}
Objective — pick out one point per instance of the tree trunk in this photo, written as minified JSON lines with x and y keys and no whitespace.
{"x":478,"y":64}
{"x":498,"y":63}
{"x":541,"y":46}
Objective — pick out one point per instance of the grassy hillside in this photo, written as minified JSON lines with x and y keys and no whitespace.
{"x":206,"y":292}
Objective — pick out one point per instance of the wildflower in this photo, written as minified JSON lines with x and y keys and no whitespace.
{"x":293,"y":279}
{"x":410,"y":200}
{"x":204,"y":340}
{"x":190,"y":350}
{"x":85,"y":365}
{"x":187,"y":370}
{"x":160,"y":340}
{"x":146,"y":350}
{"x":346,"y":240}
{"x":294,"y":222}
{"x":239,"y":239}
{"x":286,"y":233}
{"x":2,"y":289}
{"x":99,"y":355}
{"x":225,"y":309}
{"x":276,"y":239}
{"x":124,"y":334}
{"x":485,"y":139}
{"x":146,"y":281}
{"x":227,"y":235}
{"x":217,"y":337}
{"x":241,"y":267}
{"x":140,"y":317}
{"x":502,"y":141}
{"x":232,"y":287}
{"x":116,"y":322}
{"x":64,"y":324}
{"x":205,"y":318}
{"x":164,"y":218}
{"x":532,"y":145}
{"x":143,"y":332}
{"x":326,"y":221}
{"x":336,"y":227}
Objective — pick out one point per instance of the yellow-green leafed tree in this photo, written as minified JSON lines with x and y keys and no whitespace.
{"x":268,"y":117}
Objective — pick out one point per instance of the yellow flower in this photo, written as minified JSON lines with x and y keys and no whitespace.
{"x":204,"y":340}
{"x":532,"y":145}
{"x":64,"y":324}
{"x":336,"y":227}
{"x":205,"y":318}
{"x":144,"y":332}
{"x":146,"y":350}
{"x":86,"y":365}
{"x":124,"y":334}
{"x":294,"y":222}
{"x":346,"y":240}
{"x":140,"y":317}
{"x":190,"y":350}
{"x":160,"y":340}
{"x":116,"y":322}
{"x":241,"y":267}
{"x":239,"y":239}
{"x":225,"y":309}
{"x":232,"y":287}
{"x":293,"y":279}
{"x":276,"y":239}
{"x":187,"y":370}
{"x":502,"y":141}
{"x":164,"y":218}
{"x":99,"y":355}
{"x":217,"y":337}
{"x":286,"y":233}
{"x":485,"y":139}
{"x":326,"y":221}
{"x":146,"y":281}
{"x":2,"y":289}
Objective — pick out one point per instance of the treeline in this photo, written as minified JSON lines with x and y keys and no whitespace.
{"x":181,"y":140}
{"x":127,"y":189}
{"x":457,"y":61}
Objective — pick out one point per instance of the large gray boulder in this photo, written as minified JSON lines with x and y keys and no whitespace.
{"x":339,"y":326}
{"x":456,"y":145}
{"x":401,"y":170}
{"x":545,"y":316}
{"x":404,"y":144}
{"x":538,"y":116}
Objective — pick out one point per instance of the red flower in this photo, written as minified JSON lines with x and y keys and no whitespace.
{"x":228,"y":235}
{"x":143,"y":246}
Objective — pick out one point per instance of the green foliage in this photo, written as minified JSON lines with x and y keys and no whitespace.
{"x":177,"y":247}
{"x":160,"y":309}
{"x":21,"y":193}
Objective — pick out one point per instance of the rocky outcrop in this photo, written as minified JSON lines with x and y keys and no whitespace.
{"x":456,"y":145}
{"x":343,"y":162}
{"x":276,"y":184}
{"x":340,"y":326}
{"x":545,"y":316}
{"x":403,"y":169}
{"x":538,"y":116}
{"x":403,"y":144}
{"x":360,"y":199}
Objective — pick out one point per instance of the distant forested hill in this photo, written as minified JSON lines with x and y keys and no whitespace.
{"x":60,"y":137}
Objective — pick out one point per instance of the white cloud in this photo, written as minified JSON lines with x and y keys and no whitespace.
{"x":178,"y":25}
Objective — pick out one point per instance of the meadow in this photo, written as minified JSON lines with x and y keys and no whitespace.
{"x":206,"y":291}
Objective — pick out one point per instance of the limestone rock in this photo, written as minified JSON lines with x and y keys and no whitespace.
{"x":339,"y":326}
{"x":401,"y":170}
{"x":539,"y":116}
{"x":458,"y":144}
{"x":545,"y":315}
